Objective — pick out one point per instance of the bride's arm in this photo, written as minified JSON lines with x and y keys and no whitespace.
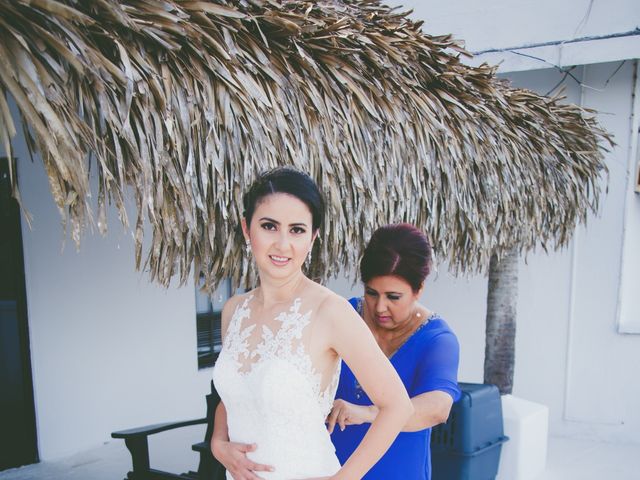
{"x":353,"y":341}
{"x":220,"y":434}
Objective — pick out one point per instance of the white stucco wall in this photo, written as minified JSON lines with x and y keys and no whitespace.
{"x":544,"y":29}
{"x":509,"y":23}
{"x":109,"y":350}
{"x":629,"y":306}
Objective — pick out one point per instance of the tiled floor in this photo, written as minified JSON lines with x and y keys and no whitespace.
{"x":568,"y":460}
{"x":584,"y":460}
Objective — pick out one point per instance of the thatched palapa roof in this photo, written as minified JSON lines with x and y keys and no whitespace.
{"x":187,"y":101}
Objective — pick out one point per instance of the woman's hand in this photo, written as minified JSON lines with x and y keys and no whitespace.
{"x":233,"y":456}
{"x":344,"y":413}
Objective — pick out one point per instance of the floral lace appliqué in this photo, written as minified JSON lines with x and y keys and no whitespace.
{"x":236,"y":340}
{"x":285,"y":343}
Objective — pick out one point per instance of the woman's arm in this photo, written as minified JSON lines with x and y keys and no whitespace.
{"x":435,"y":388}
{"x":352,"y":340}
{"x":430,"y":409}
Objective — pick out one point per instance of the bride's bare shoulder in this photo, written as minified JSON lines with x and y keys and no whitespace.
{"x":231,"y":306}
{"x":234,"y":301}
{"x":330,"y":303}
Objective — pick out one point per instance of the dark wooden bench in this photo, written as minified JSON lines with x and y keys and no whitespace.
{"x":137,"y":441}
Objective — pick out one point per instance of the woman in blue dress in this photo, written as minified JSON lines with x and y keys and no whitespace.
{"x":419,"y":343}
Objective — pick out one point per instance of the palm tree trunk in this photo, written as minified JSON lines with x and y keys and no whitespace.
{"x":502,"y":299}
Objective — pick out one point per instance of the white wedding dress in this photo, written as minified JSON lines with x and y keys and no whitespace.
{"x":274,"y":396}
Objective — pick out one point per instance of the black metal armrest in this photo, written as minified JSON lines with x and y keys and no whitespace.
{"x":202,"y":447}
{"x":136,"y":440}
{"x":157,"y":428}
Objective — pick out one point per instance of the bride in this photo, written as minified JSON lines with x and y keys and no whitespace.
{"x":282,"y":344}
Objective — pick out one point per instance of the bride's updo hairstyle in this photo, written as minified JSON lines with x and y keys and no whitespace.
{"x":290,"y":181}
{"x":401,"y":250}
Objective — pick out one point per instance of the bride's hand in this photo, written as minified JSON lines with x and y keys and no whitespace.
{"x":344,"y":413}
{"x":233,"y":456}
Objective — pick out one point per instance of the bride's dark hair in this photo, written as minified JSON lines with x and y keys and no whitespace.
{"x":290,"y":181}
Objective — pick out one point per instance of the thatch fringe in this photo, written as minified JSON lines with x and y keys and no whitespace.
{"x":186,"y":101}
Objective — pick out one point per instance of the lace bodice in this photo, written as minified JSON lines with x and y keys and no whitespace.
{"x":273,"y":393}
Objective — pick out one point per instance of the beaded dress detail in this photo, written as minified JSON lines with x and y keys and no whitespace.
{"x":273,"y":394}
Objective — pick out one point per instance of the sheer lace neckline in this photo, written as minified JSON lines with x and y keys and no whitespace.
{"x":278,"y":339}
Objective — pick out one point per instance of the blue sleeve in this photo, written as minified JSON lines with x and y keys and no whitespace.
{"x":438,"y":369}
{"x":354,"y":303}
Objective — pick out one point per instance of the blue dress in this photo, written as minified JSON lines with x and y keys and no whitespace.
{"x":427,"y":361}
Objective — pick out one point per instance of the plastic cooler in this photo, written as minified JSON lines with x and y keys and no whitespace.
{"x":468,"y":446}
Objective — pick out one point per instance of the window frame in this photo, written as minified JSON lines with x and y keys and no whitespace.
{"x":209,"y":322}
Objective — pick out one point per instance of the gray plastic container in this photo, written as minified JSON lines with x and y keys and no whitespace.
{"x":468,"y":446}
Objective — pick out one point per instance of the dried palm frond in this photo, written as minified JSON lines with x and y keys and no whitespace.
{"x":187,"y":101}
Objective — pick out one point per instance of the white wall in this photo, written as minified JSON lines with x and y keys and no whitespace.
{"x":629,"y":308}
{"x":109,"y":350}
{"x":521,"y":24}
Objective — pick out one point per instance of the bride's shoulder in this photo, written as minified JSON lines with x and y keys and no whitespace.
{"x":331,"y":304}
{"x":231,"y":306}
{"x":235,"y":301}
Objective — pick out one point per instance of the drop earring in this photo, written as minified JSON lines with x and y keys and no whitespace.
{"x":248,"y":248}
{"x":307,"y":262}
